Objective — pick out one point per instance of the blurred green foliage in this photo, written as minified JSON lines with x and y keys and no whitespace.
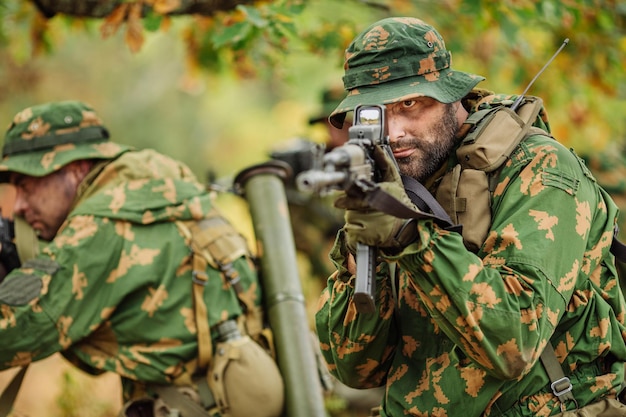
{"x":219,"y":91}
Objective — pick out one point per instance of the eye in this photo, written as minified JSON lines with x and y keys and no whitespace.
{"x":16,"y":179}
{"x":408,"y":103}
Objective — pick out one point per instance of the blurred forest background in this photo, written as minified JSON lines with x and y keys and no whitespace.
{"x":218,"y":90}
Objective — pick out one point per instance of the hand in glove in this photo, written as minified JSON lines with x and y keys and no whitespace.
{"x":367,"y":225}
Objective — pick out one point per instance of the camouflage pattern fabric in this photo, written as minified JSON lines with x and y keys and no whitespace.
{"x":609,"y":168}
{"x":410,"y":57}
{"x":113,"y":290}
{"x":42,"y":139}
{"x":461,"y":331}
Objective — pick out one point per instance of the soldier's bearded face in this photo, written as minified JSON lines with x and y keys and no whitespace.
{"x":422,"y":135}
{"x":45,"y":202}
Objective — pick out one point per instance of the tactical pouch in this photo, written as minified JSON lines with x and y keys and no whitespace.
{"x":464,"y":195}
{"x":465,"y":191}
{"x":495,"y":133}
{"x":245,"y":380}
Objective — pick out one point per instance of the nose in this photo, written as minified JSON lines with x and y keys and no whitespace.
{"x":395,"y":128}
{"x":20,"y":204}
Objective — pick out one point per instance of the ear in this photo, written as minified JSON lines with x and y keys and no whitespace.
{"x":79,"y":169}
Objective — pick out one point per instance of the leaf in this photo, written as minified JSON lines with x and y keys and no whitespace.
{"x":232,"y":34}
{"x":113,"y":21}
{"x":286,"y":28}
{"x":37,"y":34}
{"x":253,"y":16}
{"x":166,"y":6}
{"x":152,"y":22}
{"x":134,"y":32}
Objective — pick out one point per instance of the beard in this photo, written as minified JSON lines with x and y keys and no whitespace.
{"x":433,"y":153}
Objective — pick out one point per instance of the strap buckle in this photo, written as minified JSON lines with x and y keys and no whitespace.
{"x":558,"y":387}
{"x":199,"y":277}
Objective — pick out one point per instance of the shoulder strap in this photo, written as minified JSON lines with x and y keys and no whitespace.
{"x":560,"y":384}
{"x":199,"y":281}
{"x":215,"y":242}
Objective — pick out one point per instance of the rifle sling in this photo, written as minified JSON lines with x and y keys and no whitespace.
{"x":427,"y":206}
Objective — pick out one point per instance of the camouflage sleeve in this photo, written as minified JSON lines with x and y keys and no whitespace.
{"x":357,"y":348}
{"x":34,"y":320}
{"x":101,"y":288}
{"x":550,"y":232}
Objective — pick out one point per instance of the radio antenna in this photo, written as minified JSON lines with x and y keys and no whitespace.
{"x":521,"y":96}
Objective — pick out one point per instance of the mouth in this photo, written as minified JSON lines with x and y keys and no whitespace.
{"x":35,"y":225}
{"x":403,"y":153}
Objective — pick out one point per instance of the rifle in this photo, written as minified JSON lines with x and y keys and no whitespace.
{"x":351,"y":168}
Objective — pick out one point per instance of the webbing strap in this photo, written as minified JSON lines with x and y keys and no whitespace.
{"x":7,"y":399}
{"x":200,"y":279}
{"x":560,"y":384}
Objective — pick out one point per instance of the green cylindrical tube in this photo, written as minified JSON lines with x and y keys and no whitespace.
{"x":263,"y":187}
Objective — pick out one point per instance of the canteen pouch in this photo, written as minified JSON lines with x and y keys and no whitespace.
{"x":464,"y":195}
{"x":245,"y":380}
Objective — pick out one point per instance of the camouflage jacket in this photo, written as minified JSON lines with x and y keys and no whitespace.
{"x":609,"y":168}
{"x":458,"y":333}
{"x":113,"y":290}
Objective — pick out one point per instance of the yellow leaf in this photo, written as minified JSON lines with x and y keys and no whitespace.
{"x":134,"y":32}
{"x":166,"y":23}
{"x":114,"y":20}
{"x":37,"y":31}
{"x":165,"y":6}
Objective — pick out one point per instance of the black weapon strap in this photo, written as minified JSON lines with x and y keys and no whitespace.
{"x":425,"y":201}
{"x":427,"y":207}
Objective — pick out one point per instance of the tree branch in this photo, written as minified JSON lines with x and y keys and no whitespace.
{"x":102,"y":8}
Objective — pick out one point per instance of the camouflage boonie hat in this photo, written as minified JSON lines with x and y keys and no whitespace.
{"x":409,"y":57}
{"x":44,"y":138}
{"x":331,"y":98}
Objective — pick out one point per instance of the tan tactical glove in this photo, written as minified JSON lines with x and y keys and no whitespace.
{"x":371,"y":227}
